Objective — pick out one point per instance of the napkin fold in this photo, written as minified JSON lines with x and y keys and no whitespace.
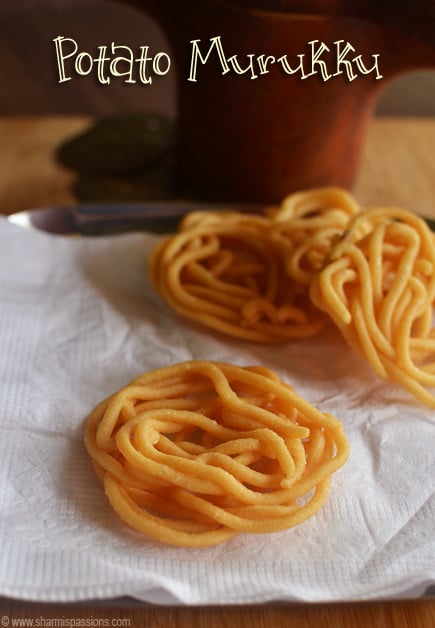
{"x":78,"y":320}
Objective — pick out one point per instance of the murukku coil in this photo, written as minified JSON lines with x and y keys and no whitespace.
{"x":225,"y":271}
{"x":195,"y":453}
{"x":307,"y":223}
{"x":378,"y":286}
{"x":272,"y":278}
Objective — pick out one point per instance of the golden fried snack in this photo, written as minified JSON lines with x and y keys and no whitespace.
{"x":223,"y":269}
{"x":195,"y":453}
{"x":378,"y":286}
{"x":307,"y":223}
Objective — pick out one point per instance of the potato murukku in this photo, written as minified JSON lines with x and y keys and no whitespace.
{"x":224,"y":270}
{"x":195,"y":453}
{"x":273,"y":278}
{"x":307,"y":223}
{"x":378,"y":286}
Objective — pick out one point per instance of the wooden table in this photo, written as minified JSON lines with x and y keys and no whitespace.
{"x":398,"y":168}
{"x":398,"y":163}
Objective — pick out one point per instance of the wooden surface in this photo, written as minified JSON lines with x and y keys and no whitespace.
{"x":375,"y":615}
{"x":29,"y":73}
{"x":398,"y":163}
{"x":397,"y":168}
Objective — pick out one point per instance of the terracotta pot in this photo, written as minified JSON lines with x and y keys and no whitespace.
{"x":257,"y":139}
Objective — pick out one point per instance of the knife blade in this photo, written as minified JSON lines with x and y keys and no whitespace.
{"x":106,"y":219}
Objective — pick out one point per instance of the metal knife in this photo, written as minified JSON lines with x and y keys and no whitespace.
{"x":105,"y":219}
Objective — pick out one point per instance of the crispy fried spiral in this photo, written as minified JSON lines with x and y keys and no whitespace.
{"x":197,"y":452}
{"x":224,"y":270}
{"x":378,"y":286}
{"x":273,"y":278}
{"x":307,"y":223}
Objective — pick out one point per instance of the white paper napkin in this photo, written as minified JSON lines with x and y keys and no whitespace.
{"x":78,"y":320}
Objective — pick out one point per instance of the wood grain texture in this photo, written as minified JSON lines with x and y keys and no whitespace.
{"x":290,"y":120}
{"x":29,"y":75}
{"x":31,"y":86}
{"x":397,"y":168}
{"x":411,"y":614}
{"x":29,"y":173}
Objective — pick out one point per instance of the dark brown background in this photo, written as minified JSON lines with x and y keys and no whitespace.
{"x":28,"y":67}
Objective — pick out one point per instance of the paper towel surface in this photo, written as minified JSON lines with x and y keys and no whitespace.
{"x":78,"y":320}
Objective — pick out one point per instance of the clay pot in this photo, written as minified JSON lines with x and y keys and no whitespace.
{"x":257,"y":139}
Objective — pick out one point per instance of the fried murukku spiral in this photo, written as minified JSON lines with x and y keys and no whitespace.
{"x":378,"y":286}
{"x":307,"y":223}
{"x":195,"y":453}
{"x":273,"y":278}
{"x":224,"y":270}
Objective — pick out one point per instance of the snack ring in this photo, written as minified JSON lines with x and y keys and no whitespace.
{"x":195,"y":453}
{"x":378,"y":286}
{"x":225,"y":271}
{"x":307,"y":223}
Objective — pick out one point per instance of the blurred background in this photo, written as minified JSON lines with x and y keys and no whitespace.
{"x":29,"y":77}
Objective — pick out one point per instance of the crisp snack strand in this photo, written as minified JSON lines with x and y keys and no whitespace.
{"x":234,"y":450}
{"x":396,"y":290}
{"x":251,"y":301}
{"x":379,"y":290}
{"x":224,"y":271}
{"x":307,"y":222}
{"x":209,"y":218}
{"x":214,"y":297}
